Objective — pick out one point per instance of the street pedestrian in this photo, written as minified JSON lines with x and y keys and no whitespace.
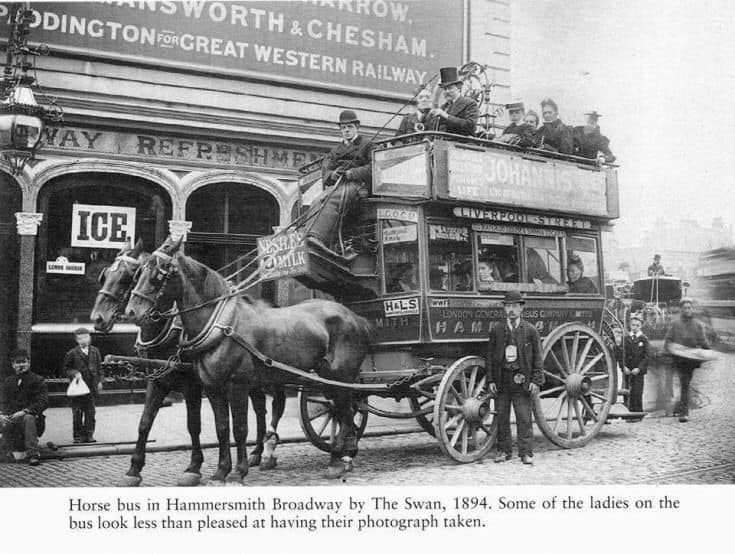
{"x":636,"y":365}
{"x":24,"y":399}
{"x":515,"y":374}
{"x":688,"y":332}
{"x":84,"y":360}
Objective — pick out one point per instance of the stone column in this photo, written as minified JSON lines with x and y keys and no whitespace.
{"x":27,"y":224}
{"x":179,"y":228}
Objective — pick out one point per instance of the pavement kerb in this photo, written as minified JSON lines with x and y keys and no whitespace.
{"x":93,"y":451}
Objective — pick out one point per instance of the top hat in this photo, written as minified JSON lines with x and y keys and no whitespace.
{"x":513,"y":297}
{"x":515,"y":106}
{"x":594,"y":114}
{"x":448,"y":77}
{"x":347,"y":117}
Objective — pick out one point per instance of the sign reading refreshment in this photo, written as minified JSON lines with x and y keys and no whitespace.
{"x":95,"y":226}
{"x":282,"y":255}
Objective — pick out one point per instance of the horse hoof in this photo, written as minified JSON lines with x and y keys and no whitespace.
{"x":337,"y":469}
{"x":189,"y":479}
{"x":254,"y":460}
{"x":215,"y":483}
{"x":269,"y":463}
{"x":131,"y":481}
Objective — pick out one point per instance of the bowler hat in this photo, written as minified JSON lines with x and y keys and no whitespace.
{"x":515,"y":106}
{"x":513,"y":297}
{"x":687,"y":300}
{"x":81,"y":331}
{"x":348,"y":116}
{"x":19,"y":354}
{"x":448,"y":77}
{"x":637,"y":316}
{"x":657,"y":257}
{"x":594,"y":114}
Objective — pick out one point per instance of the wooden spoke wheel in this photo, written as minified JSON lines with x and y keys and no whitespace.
{"x":427,"y":401}
{"x":463,"y":419}
{"x":580,"y":387}
{"x":316,"y":416}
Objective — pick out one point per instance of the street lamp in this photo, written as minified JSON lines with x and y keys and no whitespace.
{"x":22,"y":119}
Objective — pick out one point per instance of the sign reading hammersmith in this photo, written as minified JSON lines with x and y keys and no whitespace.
{"x":375,"y":45}
{"x":486,"y":176}
{"x":95,"y":226}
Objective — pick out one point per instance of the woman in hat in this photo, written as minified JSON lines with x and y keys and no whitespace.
{"x":577,"y":281}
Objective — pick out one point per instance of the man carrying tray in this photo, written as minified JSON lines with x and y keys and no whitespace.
{"x":683,"y":338}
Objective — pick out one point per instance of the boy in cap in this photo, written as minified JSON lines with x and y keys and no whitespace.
{"x":347,"y":164}
{"x":24,"y":399}
{"x":685,"y":331}
{"x":636,"y":364}
{"x":84,"y":360}
{"x":589,"y":142}
{"x":515,"y":374}
{"x":459,"y":114}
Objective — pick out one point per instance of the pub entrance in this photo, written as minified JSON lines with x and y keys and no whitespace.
{"x":10,"y":203}
{"x":227,"y":219}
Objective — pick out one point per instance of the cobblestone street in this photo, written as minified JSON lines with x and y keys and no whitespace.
{"x":659,"y":450}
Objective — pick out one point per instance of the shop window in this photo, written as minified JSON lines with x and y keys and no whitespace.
{"x":543,"y":260}
{"x":450,"y":258}
{"x":400,"y":255}
{"x":582,"y":265}
{"x":497,"y":260}
{"x":67,"y":296}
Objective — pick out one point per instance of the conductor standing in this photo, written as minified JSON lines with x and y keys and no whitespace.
{"x":515,"y":374}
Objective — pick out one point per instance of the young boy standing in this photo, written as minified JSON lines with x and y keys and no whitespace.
{"x":636,"y":364}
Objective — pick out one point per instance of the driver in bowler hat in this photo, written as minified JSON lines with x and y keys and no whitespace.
{"x":347,"y":166}
{"x":515,"y":374}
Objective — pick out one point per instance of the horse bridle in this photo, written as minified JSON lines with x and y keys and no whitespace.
{"x":119,"y":301}
{"x":162,"y":275}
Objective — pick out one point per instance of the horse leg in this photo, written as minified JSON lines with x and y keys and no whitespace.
{"x":218,"y":400}
{"x":345,"y":443}
{"x":155,"y":393}
{"x":278,"y":405}
{"x":239,"y":407}
{"x":258,"y":398}
{"x":193,"y":397}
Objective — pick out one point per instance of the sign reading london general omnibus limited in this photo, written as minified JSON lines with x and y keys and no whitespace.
{"x":374,"y":45}
{"x":94,"y":226}
{"x":483,"y":175}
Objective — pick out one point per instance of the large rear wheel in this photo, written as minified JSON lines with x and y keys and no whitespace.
{"x":580,"y":387}
{"x":463,"y":419}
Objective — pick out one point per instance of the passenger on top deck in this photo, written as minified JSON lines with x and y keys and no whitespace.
{"x":531,"y":118}
{"x":577,"y":282}
{"x":589,"y":142}
{"x":459,"y":114}
{"x":553,"y":135}
{"x":348,"y":165}
{"x":656,"y":269}
{"x":415,"y":122}
{"x":518,"y":133}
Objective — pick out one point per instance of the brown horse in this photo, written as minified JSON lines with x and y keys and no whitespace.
{"x":222,"y":329}
{"x":156,"y":339}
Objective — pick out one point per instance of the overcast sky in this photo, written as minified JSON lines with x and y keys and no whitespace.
{"x":662,"y":73}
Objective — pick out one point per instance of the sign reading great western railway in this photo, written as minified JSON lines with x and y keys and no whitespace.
{"x":375,"y":45}
{"x":484,"y":175}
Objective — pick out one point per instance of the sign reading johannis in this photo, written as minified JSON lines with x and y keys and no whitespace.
{"x":378,"y":45}
{"x":95,"y":226}
{"x":484,"y":175}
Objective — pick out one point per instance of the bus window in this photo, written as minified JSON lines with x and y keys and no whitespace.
{"x":400,"y":255}
{"x":450,"y":258}
{"x":543,"y":260}
{"x":582,"y":265}
{"x":497,"y":259}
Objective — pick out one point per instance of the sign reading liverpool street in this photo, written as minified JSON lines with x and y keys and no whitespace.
{"x":282,"y":255}
{"x":368,"y":45}
{"x":95,"y":226}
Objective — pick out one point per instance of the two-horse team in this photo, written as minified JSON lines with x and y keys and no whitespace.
{"x":186,"y":309}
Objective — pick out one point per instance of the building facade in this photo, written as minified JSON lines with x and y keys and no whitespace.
{"x":192,"y":119}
